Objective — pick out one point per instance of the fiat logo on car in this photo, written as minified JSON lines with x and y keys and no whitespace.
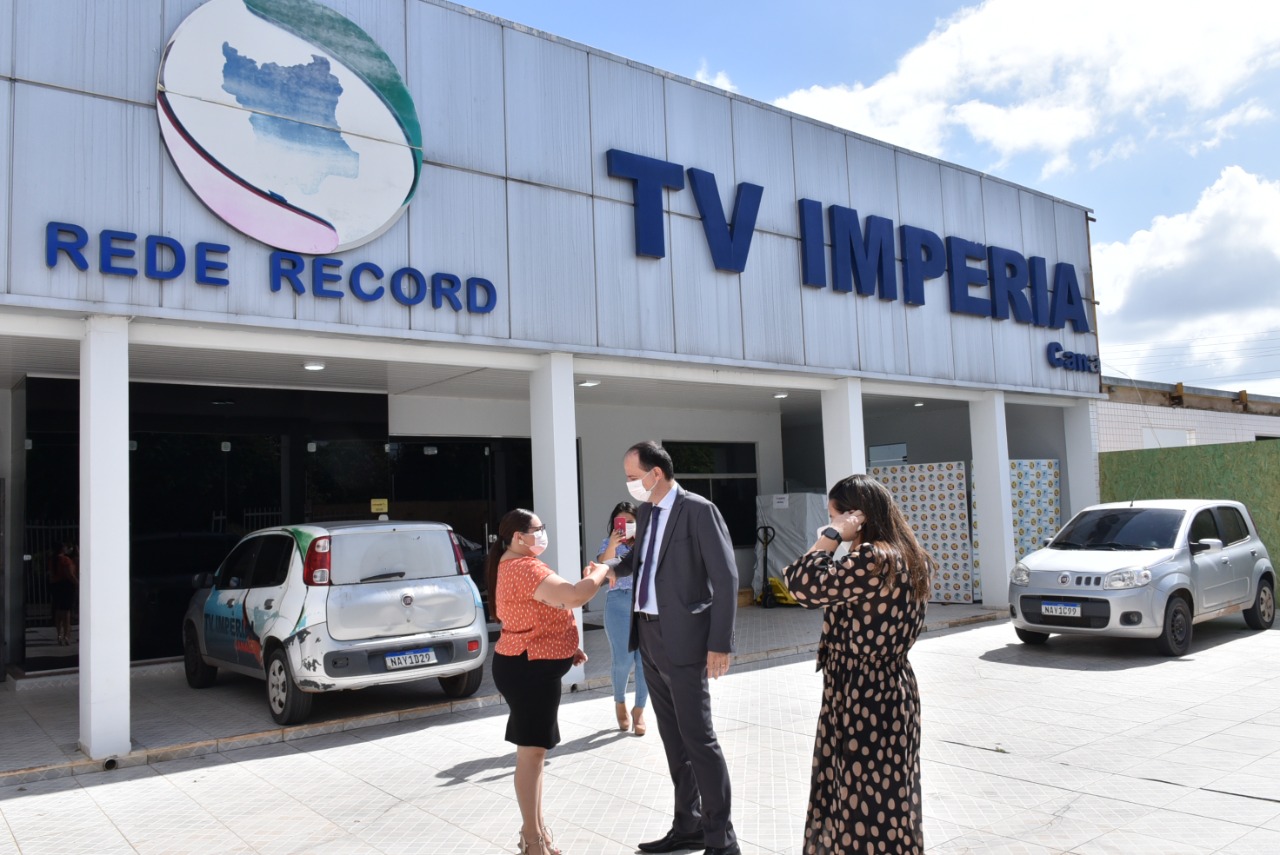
{"x":1064,"y":579}
{"x":407,"y":599}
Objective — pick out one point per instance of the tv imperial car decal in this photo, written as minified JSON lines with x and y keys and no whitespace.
{"x":289,"y":122}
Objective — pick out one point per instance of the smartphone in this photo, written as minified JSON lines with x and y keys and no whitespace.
{"x":620,"y":524}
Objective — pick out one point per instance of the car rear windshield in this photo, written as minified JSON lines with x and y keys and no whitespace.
{"x":387,"y":556}
{"x":1121,"y":528}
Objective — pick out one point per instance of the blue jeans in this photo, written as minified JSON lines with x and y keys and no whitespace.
{"x":617,"y":625}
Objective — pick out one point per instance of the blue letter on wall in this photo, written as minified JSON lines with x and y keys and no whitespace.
{"x":649,"y":176}
{"x":1067,"y":304}
{"x":729,"y":244}
{"x":74,"y":248}
{"x":865,"y":261}
{"x":959,"y":253}
{"x":1008,"y":284}
{"x":813,"y":269}
{"x":923,"y":257}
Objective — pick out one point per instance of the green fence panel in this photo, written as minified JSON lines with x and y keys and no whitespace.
{"x":1247,"y":472}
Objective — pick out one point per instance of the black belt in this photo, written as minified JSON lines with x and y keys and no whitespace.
{"x":646,"y":616}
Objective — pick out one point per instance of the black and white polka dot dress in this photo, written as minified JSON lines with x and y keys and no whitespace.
{"x":865,"y":792}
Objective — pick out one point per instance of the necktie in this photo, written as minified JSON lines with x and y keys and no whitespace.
{"x":646,"y":569}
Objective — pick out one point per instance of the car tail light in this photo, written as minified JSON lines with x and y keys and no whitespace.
{"x":315,"y":567}
{"x":473,"y":646}
{"x":457,"y":554}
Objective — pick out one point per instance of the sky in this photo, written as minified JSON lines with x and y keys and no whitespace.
{"x":1162,"y":117}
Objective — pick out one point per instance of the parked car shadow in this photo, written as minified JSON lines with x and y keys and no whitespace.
{"x":1097,"y":653}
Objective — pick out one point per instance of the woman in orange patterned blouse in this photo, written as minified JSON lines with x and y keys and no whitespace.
{"x":538,"y":645}
{"x":864,"y":796}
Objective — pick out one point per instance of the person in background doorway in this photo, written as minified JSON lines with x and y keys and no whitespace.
{"x":538,"y":645}
{"x":64,"y":583}
{"x":617,"y":621}
{"x":864,"y":796}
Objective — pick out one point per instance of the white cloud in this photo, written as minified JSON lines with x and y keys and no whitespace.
{"x":1221,"y":127}
{"x":720,"y":79}
{"x":1038,"y":77}
{"x":1181,"y":299}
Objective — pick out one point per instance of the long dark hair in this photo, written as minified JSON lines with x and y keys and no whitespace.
{"x":885,"y":528}
{"x":621,"y":508}
{"x":513,"y":522}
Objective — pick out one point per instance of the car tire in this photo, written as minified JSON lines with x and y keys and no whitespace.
{"x":1263,"y":612}
{"x":1030,"y":636}
{"x":462,"y":685}
{"x":1175,"y":640}
{"x":200,"y":674}
{"x":288,"y":703}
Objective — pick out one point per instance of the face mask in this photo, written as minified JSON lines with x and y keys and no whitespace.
{"x":637,"y":490}
{"x":539,"y":544}
{"x":630,"y":531}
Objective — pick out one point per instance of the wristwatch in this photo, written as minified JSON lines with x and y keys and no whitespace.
{"x":832,"y":533}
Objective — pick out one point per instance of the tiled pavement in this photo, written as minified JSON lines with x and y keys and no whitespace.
{"x":1079,"y":746}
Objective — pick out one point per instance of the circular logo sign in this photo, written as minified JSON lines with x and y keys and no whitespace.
{"x":289,"y":123}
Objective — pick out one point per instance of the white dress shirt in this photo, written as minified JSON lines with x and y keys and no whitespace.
{"x":667,"y":503}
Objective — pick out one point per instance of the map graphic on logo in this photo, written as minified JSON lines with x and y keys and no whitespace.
{"x":289,"y":123}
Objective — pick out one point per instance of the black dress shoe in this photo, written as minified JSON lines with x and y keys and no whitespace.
{"x":731,"y":849}
{"x":675,"y":841}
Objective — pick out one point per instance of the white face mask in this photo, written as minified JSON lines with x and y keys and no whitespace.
{"x":539,"y":544}
{"x":630,"y":531}
{"x":637,"y":490}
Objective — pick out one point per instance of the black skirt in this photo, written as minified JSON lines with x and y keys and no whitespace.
{"x":532,"y":691}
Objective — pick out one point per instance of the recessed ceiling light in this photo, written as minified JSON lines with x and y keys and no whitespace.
{"x":918,"y":404}
{"x":314,"y":365}
{"x":780,"y":394}
{"x":587,"y":384}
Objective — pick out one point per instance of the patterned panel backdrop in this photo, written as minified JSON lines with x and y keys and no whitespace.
{"x":934,"y":499}
{"x":1035,"y":489}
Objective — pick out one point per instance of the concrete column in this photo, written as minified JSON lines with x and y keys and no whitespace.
{"x":844,"y":446}
{"x":993,"y":496}
{"x":1080,"y":463}
{"x":104,"y":537}
{"x":553,"y":436}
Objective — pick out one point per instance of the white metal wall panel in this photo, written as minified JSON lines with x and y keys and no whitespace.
{"x":186,"y":220}
{"x":461,"y":228}
{"x":883,"y":336}
{"x":6,"y":110}
{"x":1072,"y":230}
{"x":762,"y":155}
{"x":175,"y":12}
{"x":873,"y":180}
{"x":633,"y":295}
{"x":552,"y":272}
{"x":455,"y":77}
{"x":884,"y":341}
{"x":971,"y":337}
{"x":390,"y":252}
{"x":708,"y":302}
{"x":117,"y":188}
{"x":548,"y":112}
{"x":1040,"y":238}
{"x":108,"y":49}
{"x":700,"y":135}
{"x":821,"y":164}
{"x":928,"y":326}
{"x":6,"y":37}
{"x":383,"y":20}
{"x":772,"y":328}
{"x":830,"y":329}
{"x":626,"y":113}
{"x":1011,"y":339}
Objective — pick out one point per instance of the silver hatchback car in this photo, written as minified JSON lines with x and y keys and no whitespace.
{"x":1145,"y":569}
{"x":343,"y":605}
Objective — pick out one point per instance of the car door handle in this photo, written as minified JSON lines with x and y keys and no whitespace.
{"x":268,"y":604}
{"x":230,"y":603}
{"x":1226,"y":560}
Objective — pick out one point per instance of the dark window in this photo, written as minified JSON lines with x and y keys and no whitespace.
{"x":1121,"y":528}
{"x":725,"y":474}
{"x":272,"y":565}
{"x":1234,"y":528}
{"x":237,"y":569}
{"x":1203,"y":526}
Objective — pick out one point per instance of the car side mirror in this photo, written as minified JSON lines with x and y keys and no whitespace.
{"x":1206,"y":544}
{"x":202,"y":580}
{"x":1048,"y":540}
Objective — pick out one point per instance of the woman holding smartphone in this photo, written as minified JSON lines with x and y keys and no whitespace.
{"x":865,"y":791}
{"x":617,"y":621}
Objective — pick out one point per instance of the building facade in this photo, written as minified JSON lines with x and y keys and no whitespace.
{"x":485,"y":249}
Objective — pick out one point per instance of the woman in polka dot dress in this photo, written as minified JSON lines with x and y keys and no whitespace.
{"x":538,"y":645}
{"x":865,"y":792}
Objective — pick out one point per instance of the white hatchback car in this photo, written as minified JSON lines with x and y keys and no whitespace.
{"x":1145,"y":569}
{"x":332,"y":606}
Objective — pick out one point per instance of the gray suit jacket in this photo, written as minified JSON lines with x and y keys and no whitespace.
{"x":696,"y":579}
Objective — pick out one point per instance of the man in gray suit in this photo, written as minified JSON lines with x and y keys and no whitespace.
{"x":684,"y":602}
